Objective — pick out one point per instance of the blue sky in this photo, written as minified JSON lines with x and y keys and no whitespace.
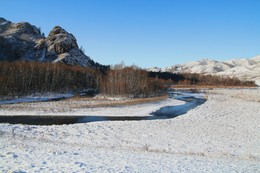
{"x":149,"y":33}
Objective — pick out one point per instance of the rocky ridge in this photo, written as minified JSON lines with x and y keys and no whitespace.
{"x":23,"y":41}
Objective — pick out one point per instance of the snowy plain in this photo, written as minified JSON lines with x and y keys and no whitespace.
{"x":221,"y":135}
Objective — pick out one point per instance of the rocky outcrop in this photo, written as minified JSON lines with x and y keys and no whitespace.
{"x":20,"y":41}
{"x":23,"y":41}
{"x":62,"y":47}
{"x":59,"y":41}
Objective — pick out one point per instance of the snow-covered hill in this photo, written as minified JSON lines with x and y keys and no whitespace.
{"x":244,"y":69}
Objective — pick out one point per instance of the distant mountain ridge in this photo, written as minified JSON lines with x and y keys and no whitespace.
{"x":244,"y":69}
{"x":23,"y":41}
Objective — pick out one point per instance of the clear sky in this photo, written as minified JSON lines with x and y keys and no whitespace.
{"x":149,"y":33}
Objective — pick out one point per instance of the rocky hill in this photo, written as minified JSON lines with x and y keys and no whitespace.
{"x":23,"y":41}
{"x":244,"y":69}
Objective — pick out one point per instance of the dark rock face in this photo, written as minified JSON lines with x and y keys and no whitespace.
{"x":20,"y":41}
{"x":62,"y":47}
{"x":23,"y":41}
{"x":59,"y":41}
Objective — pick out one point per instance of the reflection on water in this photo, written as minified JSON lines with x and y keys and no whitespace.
{"x":192,"y":100}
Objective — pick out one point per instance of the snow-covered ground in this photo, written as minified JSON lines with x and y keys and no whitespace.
{"x":257,"y":82}
{"x":222,"y":135}
{"x":84,"y":107}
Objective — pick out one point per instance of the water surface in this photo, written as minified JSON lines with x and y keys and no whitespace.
{"x":192,"y":100}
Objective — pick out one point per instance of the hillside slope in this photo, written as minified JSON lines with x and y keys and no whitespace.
{"x":244,"y":69}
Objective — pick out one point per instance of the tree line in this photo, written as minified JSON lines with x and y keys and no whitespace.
{"x":131,"y":81}
{"x":23,"y":78}
{"x":199,"y":79}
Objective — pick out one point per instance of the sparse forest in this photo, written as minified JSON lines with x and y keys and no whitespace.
{"x":23,"y":78}
{"x":131,"y":81}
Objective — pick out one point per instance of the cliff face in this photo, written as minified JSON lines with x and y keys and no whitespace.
{"x":23,"y":41}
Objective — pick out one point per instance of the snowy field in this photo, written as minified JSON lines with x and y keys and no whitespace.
{"x":221,"y":135}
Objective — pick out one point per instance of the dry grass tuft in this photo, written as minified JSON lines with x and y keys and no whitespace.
{"x":93,"y":103}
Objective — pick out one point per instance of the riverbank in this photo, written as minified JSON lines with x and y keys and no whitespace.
{"x":80,"y":106}
{"x":221,"y":135}
{"x":191,"y":101}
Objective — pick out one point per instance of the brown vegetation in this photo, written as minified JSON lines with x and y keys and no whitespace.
{"x":93,"y":103}
{"x":131,"y":81}
{"x":193,"y":79}
{"x":22,"y":78}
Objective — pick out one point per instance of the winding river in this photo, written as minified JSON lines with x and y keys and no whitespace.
{"x":192,"y":100}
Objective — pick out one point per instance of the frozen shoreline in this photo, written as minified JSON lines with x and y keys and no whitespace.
{"x":79,"y":108}
{"x":221,"y":135}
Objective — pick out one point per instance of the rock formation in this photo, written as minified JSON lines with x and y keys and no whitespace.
{"x":23,"y":41}
{"x":62,"y":47}
{"x":20,"y":41}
